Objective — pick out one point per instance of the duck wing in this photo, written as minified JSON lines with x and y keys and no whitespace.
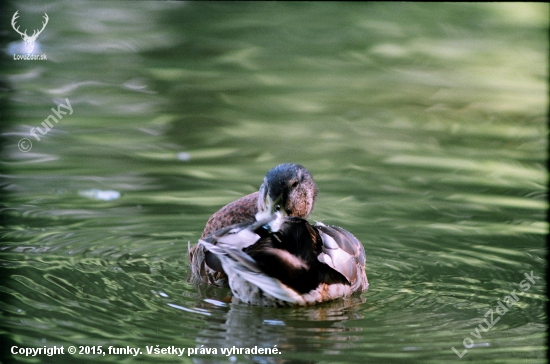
{"x":238,"y":236}
{"x":242,"y":269}
{"x":344,"y":253}
{"x":298,"y":263}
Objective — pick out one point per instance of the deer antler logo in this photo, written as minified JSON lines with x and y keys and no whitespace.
{"x":29,"y":41}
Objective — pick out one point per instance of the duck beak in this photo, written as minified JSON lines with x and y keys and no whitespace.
{"x":274,"y":206}
{"x":274,"y":212}
{"x":271,"y":207}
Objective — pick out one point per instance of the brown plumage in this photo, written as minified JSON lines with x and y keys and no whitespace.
{"x":242,"y":210}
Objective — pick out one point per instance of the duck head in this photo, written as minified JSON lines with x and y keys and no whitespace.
{"x":288,"y":189}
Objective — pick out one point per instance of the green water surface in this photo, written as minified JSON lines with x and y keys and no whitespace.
{"x":423,"y":124}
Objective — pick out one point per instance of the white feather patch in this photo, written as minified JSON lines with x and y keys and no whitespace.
{"x":240,"y":240}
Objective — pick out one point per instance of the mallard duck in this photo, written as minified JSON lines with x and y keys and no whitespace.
{"x":271,"y":255}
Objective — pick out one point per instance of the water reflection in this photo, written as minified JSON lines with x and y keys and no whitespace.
{"x":243,"y":326}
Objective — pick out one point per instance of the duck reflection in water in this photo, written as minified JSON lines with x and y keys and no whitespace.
{"x":321,"y":329}
{"x":270,"y":255}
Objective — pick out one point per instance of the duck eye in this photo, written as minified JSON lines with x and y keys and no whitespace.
{"x":295,"y":184}
{"x":278,"y":208}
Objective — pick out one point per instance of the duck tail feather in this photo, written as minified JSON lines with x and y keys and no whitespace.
{"x":267,"y":284}
{"x":235,"y":262}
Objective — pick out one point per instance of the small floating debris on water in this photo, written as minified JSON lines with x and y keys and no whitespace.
{"x":159,"y":293}
{"x":215,"y":302}
{"x":274,"y":322}
{"x":184,"y":156}
{"x":411,"y":348}
{"x":105,"y":195}
{"x":197,"y":310}
{"x":19,"y":48}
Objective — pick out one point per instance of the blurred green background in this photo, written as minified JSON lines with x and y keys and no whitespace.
{"x":423,"y":124}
